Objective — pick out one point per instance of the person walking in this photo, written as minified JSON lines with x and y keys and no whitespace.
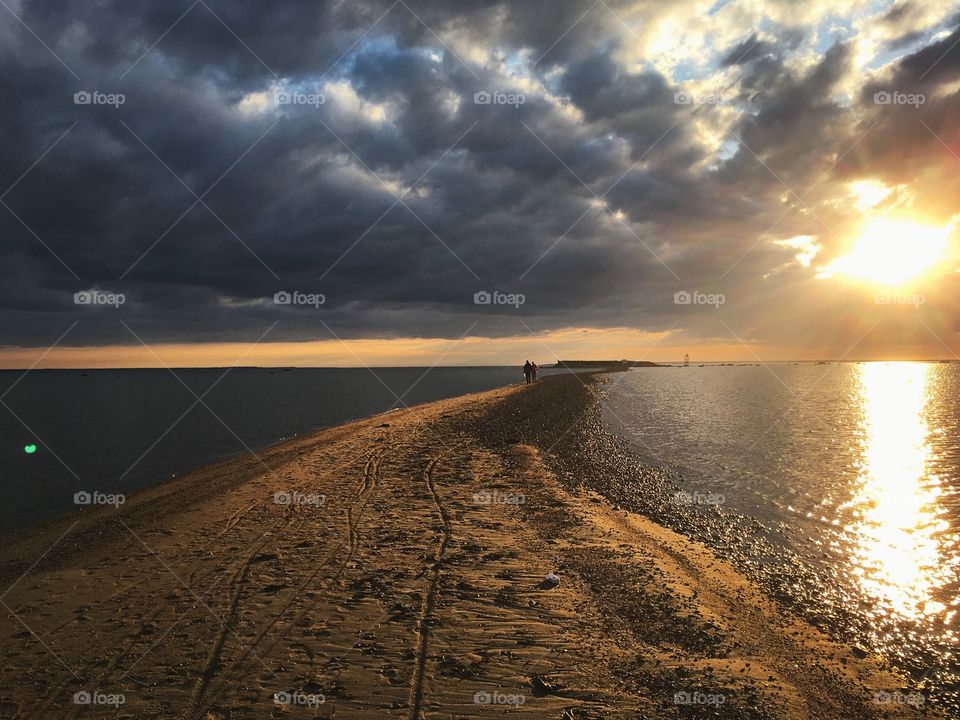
{"x":533,"y":371}
{"x":527,"y":371}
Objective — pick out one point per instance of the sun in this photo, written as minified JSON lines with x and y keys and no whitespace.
{"x":893,"y":252}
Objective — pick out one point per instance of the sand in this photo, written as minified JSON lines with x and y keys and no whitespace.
{"x":406,"y":579}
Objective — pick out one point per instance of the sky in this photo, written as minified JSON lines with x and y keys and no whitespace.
{"x":454,"y":182}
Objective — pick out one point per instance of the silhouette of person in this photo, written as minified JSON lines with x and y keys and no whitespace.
{"x":533,"y":371}
{"x":527,"y":371}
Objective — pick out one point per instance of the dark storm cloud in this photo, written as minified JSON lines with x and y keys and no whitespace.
{"x":598,"y":199}
{"x":899,"y":12}
{"x":747,"y":51}
{"x":932,"y":65}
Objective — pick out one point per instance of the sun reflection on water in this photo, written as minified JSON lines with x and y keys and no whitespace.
{"x":899,"y":527}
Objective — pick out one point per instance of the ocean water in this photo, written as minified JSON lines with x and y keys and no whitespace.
{"x":117,"y":431}
{"x":856,"y":465}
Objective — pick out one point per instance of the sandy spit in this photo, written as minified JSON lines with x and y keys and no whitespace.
{"x":396,"y":567}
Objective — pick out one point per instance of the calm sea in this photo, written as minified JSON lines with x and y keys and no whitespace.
{"x":116,"y":431}
{"x":856,"y":465}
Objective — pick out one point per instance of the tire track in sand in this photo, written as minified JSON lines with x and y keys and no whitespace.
{"x":86,"y":668}
{"x":369,"y":483}
{"x":428,"y":596}
{"x":238,"y":581}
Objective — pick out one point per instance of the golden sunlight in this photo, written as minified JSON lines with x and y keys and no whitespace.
{"x":869,"y":193}
{"x":893,"y":252}
{"x":897,"y":551}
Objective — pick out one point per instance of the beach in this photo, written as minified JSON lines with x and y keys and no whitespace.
{"x":397,"y":567}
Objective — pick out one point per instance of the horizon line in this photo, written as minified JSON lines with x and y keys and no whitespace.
{"x":662,"y":363}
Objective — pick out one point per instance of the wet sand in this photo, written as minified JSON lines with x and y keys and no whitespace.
{"x":405,"y":578}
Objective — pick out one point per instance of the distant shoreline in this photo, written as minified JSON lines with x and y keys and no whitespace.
{"x":610,"y":364}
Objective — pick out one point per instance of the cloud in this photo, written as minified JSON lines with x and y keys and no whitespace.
{"x":601,"y":176}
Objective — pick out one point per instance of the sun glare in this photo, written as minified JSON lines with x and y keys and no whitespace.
{"x":893,"y":252}
{"x":869,"y":193}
